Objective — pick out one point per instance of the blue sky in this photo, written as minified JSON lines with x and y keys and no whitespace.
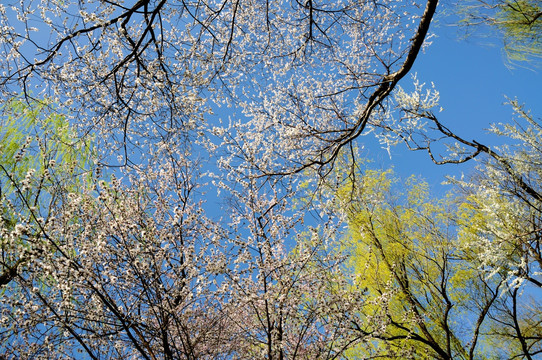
{"x":473,"y":78}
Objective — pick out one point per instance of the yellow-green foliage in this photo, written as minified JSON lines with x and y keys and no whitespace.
{"x":420,"y":280}
{"x":521,"y":23}
{"x":42,"y":161}
{"x":35,"y":136}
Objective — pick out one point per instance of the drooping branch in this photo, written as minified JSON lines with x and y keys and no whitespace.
{"x":477,"y":149}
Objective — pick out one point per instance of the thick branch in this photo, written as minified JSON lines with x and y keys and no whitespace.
{"x":385,"y":87}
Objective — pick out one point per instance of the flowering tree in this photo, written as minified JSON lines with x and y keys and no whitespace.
{"x":103,"y":267}
{"x":119,"y":255}
{"x":111,"y":246}
{"x":304,"y":79}
{"x":92,"y":266}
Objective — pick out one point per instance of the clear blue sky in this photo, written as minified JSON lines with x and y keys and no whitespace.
{"x":473,"y":79}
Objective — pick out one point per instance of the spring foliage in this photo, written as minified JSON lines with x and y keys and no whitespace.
{"x":431,"y":289}
{"x":518,"y":23}
{"x":172,"y":186}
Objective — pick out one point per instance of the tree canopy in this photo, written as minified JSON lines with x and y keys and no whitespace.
{"x":432,"y":285}
{"x":180,"y":180}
